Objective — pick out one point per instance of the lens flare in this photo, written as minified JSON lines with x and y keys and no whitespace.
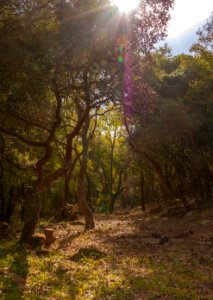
{"x":126,"y":6}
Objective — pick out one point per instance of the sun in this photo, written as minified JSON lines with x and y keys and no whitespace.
{"x":126,"y":6}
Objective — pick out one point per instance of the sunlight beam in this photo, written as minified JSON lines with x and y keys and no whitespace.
{"x":126,"y":6}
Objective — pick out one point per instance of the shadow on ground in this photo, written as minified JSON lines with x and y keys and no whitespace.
{"x":14,"y":273}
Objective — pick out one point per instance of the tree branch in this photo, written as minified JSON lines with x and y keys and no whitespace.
{"x":22,"y":138}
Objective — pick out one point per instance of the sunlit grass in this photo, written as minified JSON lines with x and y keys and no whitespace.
{"x":25,"y":275}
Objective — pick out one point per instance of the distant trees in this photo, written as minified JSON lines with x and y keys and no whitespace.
{"x":170,"y":124}
{"x":109,"y":159}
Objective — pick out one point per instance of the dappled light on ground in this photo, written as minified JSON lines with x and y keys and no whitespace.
{"x":121,"y":259}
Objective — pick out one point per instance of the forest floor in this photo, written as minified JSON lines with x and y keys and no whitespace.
{"x":127,"y":257}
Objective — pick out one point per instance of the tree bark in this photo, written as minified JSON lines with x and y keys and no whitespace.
{"x":143,"y":205}
{"x":66,"y":189}
{"x":2,"y":202}
{"x":33,"y":205}
{"x":112,"y":203}
{"x":67,"y":175}
{"x":10,"y":206}
{"x":31,"y":217}
{"x":165,"y":185}
{"x":82,"y":201}
{"x":69,"y":155}
{"x":115,"y":195}
{"x":2,"y":198}
{"x":89,"y":198}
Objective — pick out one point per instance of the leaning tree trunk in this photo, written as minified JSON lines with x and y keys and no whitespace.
{"x":33,"y":203}
{"x":82,"y":199}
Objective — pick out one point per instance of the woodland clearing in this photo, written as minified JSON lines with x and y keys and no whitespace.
{"x":128,"y":256}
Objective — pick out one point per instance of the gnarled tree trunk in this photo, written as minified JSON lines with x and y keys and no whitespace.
{"x":33,"y":203}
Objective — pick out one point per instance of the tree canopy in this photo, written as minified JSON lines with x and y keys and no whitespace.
{"x":91,"y":114}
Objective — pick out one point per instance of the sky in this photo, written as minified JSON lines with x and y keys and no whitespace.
{"x":187,"y":13}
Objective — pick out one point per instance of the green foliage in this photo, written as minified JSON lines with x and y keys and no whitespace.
{"x":59,"y":72}
{"x":109,"y":159}
{"x":172,"y":122}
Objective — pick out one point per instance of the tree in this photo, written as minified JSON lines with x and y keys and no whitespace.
{"x":169,"y":112}
{"x":109,"y":157}
{"x":80,"y":80}
{"x":47,"y":70}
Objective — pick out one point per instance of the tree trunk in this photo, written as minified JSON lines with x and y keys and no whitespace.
{"x":114,"y":196}
{"x":67,"y":176}
{"x":33,"y":205}
{"x":206,"y":191}
{"x":49,"y":235}
{"x":66,"y":189}
{"x":84,"y":207}
{"x":2,"y":197}
{"x":182,"y":189}
{"x":143,"y":206}
{"x":165,"y":185}
{"x":89,"y":199}
{"x":82,"y":201}
{"x":31,"y":217}
{"x":111,"y":180}
{"x":2,"y":202}
{"x":10,"y":206}
{"x":112,"y":204}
